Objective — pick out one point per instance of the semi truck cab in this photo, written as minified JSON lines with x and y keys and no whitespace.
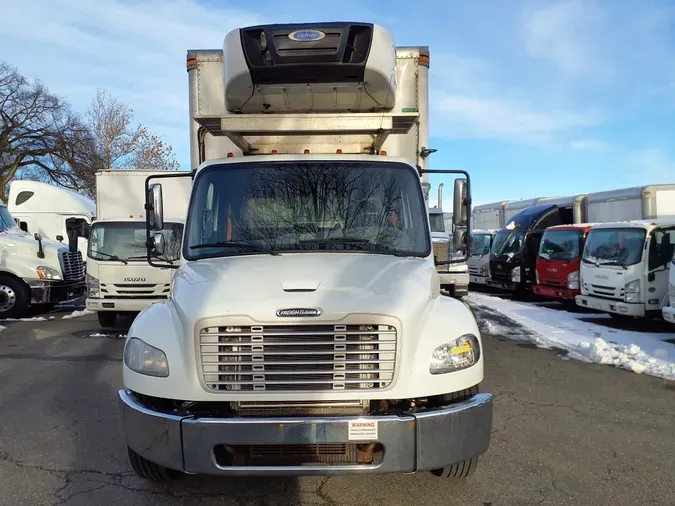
{"x":625,"y":267}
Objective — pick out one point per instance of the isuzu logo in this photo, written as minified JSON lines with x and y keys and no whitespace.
{"x":298,"y":312}
{"x":600,"y":276}
{"x":306,"y":35}
{"x":552,"y":270}
{"x":134,"y":280}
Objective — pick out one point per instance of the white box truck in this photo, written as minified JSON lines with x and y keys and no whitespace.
{"x":119,"y":278}
{"x":454,"y":277}
{"x":306,"y":332}
{"x":625,"y":265}
{"x":44,"y":208}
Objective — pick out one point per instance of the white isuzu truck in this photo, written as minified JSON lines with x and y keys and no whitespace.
{"x":669,"y":309}
{"x":305,"y":331}
{"x":119,"y":279}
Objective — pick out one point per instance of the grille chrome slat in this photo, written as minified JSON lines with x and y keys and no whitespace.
{"x":298,"y":357}
{"x":72,"y":265}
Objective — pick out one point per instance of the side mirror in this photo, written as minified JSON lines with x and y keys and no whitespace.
{"x":155,"y":207}
{"x":37,"y":236}
{"x":157,"y":244}
{"x":460,"y":214}
{"x":651,"y":277}
{"x":459,"y":240}
{"x":59,"y":238}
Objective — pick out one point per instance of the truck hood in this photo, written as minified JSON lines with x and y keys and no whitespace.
{"x":336,"y":283}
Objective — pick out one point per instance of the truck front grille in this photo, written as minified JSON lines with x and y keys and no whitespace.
{"x":302,"y":357}
{"x":72,"y":265}
{"x":135,"y":291}
{"x":604,"y":292}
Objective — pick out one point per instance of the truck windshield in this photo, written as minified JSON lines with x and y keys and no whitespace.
{"x":480,"y":244}
{"x":560,"y":244}
{"x":437,"y":223}
{"x":126,"y":241}
{"x":7,"y":221}
{"x":508,"y":242}
{"x":614,"y":246}
{"x":248,"y":208}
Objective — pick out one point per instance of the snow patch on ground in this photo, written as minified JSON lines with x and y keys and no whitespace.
{"x":77,"y":314}
{"x":640,"y":352}
{"x":33,"y":319}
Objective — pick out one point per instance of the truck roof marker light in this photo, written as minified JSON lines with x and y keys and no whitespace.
{"x":383,"y":153}
{"x":274,"y":152}
{"x":306,"y":151}
{"x":338,"y":151}
{"x":424,"y":60}
{"x":230,"y":155}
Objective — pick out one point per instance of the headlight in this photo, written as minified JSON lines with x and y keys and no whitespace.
{"x":142,"y":358}
{"x":573,"y":280}
{"x":515,"y":274}
{"x":632,"y":291}
{"x":456,"y":355}
{"x":485,"y":270}
{"x":93,"y":288}
{"x":48,"y":273}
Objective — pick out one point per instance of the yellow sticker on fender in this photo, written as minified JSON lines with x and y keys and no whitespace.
{"x":460,"y":349}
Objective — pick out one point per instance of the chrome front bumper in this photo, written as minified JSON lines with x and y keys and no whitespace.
{"x":412,"y":442}
{"x":669,"y":314}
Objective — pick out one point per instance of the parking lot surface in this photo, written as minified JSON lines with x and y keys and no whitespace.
{"x":565,"y":432}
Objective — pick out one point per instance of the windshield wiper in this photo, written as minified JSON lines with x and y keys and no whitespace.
{"x":235,"y":244}
{"x":111,"y":257}
{"x":610,"y":262}
{"x":336,"y":240}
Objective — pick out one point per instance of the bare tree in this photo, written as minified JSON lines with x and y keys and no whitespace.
{"x":120,"y":143}
{"x":33,"y":124}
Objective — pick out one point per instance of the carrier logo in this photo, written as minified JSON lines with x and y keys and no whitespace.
{"x":282,"y":313}
{"x":134,"y":280}
{"x":306,"y":35}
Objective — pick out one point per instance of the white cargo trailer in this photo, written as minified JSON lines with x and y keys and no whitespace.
{"x":636,"y":203}
{"x":307,"y":315}
{"x":120,"y":280}
{"x":489,"y":216}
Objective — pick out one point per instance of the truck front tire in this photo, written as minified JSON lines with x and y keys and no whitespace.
{"x":149,"y":470}
{"x":14,"y":297}
{"x":457,"y":471}
{"x":106,"y":318}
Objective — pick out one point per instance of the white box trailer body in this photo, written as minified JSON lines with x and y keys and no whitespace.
{"x":282,"y":286}
{"x":625,"y":267}
{"x":120,"y":280}
{"x":489,"y":216}
{"x":635,"y":203}
{"x":44,"y":208}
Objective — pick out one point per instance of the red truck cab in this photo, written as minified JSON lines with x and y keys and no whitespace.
{"x":559,"y":260}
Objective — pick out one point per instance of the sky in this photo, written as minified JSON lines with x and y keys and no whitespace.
{"x":532,"y":97}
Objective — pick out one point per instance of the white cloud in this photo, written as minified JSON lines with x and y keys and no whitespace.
{"x":136,"y":50}
{"x":506,"y":119}
{"x":654,"y":165}
{"x":566,"y":34}
{"x":588,"y":145}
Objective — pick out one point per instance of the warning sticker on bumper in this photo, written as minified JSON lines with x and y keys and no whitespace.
{"x":363,"y":430}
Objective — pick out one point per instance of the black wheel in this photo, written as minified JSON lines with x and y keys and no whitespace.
{"x":457,"y":471}
{"x":14,"y":297}
{"x":106,"y":318}
{"x":149,"y":470}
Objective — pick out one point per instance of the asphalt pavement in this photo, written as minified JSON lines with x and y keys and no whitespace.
{"x":565,"y":432}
